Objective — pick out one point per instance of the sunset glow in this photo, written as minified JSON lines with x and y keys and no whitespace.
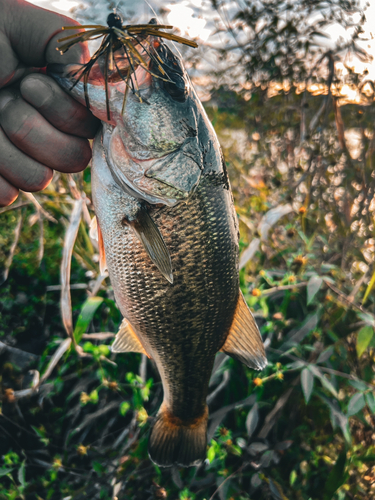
{"x":65,"y":5}
{"x":182,"y":17}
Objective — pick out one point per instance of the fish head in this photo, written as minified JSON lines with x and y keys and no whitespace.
{"x":173,"y":79}
{"x":151,"y":134}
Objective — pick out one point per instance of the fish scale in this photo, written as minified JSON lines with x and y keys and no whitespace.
{"x":170,"y":314}
{"x":168,"y":234}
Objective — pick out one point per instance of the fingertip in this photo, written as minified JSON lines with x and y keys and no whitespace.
{"x":20,"y":171}
{"x":93,"y":127}
{"x":26,"y":130}
{"x":8,"y":193}
{"x":58,"y":107}
{"x":35,"y":179}
{"x":77,"y":53}
{"x":82,"y":160}
{"x":39,"y":180}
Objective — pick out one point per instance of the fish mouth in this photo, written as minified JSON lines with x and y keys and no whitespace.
{"x":157,"y":65}
{"x":97,"y":75}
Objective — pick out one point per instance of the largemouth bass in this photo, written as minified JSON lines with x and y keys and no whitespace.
{"x":168,"y":234}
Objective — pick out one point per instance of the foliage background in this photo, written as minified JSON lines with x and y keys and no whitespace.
{"x":74,"y":420}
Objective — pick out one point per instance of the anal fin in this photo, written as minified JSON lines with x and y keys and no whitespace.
{"x":244,"y":341}
{"x":149,"y":235}
{"x":126,"y":340}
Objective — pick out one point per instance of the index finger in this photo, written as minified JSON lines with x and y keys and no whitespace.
{"x":28,"y":38}
{"x":59,"y":108}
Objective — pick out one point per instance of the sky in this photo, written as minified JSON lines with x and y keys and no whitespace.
{"x":194,"y":19}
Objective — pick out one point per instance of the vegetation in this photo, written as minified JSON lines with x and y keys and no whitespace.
{"x":75,"y":418}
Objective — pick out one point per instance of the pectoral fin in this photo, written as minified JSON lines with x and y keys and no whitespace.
{"x":126,"y":340}
{"x":149,"y":235}
{"x":244,"y":341}
{"x":96,"y":234}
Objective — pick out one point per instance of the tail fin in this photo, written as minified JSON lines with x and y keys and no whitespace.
{"x":174,"y":442}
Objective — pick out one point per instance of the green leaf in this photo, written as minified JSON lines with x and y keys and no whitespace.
{"x":297,"y":335}
{"x":313,"y":286}
{"x":145,"y":391}
{"x":94,"y":396}
{"x":85,"y":317}
{"x":292,"y":477}
{"x":336,"y":477}
{"x":366,"y":458}
{"x":264,"y":305}
{"x":186,"y":494}
{"x":369,"y":288}
{"x":367,"y":318}
{"x":307,"y":382}
{"x":359,"y":385}
{"x":303,"y":237}
{"x":274,"y":491}
{"x":324,"y":380}
{"x":328,"y":385}
{"x":40,"y":432}
{"x":124,"y":407}
{"x":370,"y":400}
{"x":337,"y":417}
{"x":98,"y":468}
{"x":356,"y":403}
{"x":5,"y":471}
{"x":104,"y":350}
{"x":252,"y":420}
{"x":256,"y":448}
{"x":235,"y":450}
{"x":21,"y":475}
{"x":266,"y":458}
{"x":88,"y":347}
{"x":255,"y":481}
{"x":365,"y":335}
{"x":325,"y":355}
{"x":211,"y":454}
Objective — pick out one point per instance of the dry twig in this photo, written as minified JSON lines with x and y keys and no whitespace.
{"x":70,"y":237}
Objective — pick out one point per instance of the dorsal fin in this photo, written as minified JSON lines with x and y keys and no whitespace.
{"x":126,"y":340}
{"x":244,"y":341}
{"x":96,"y":234}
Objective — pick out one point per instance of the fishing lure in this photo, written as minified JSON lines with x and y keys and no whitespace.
{"x":125,"y":38}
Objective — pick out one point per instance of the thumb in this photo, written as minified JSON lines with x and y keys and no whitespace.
{"x":28,"y":38}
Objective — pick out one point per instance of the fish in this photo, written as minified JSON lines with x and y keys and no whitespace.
{"x":168,"y":234}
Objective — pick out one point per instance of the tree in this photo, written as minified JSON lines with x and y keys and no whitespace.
{"x":285,"y":41}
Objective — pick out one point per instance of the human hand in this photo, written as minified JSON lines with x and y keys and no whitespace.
{"x":42,"y":128}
